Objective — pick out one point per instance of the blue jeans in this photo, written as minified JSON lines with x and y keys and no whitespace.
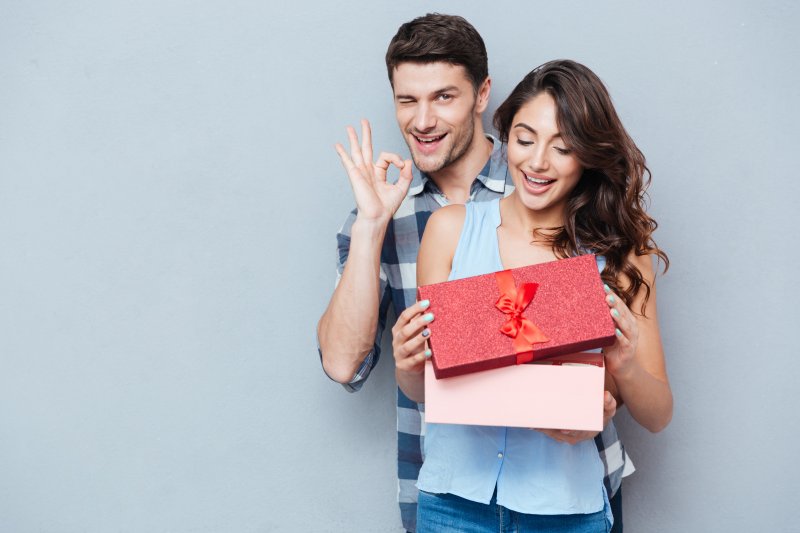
{"x":446,"y":513}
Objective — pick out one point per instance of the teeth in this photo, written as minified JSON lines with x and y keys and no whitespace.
{"x":538,"y":181}
{"x":428,"y":141}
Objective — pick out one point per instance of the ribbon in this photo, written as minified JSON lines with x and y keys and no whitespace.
{"x":513,"y":301}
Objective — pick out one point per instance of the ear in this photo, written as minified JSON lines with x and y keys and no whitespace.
{"x":482,"y":99}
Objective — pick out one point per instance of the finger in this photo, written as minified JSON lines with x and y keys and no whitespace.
{"x":410,"y":338}
{"x":354,"y":174}
{"x":355,"y":150}
{"x":406,"y":175}
{"x":609,"y":403}
{"x":409,"y":331}
{"x":417,"y":356}
{"x":347,"y":163}
{"x":620,"y":312}
{"x":414,"y":362}
{"x":621,"y":316}
{"x":414,"y":344}
{"x":417,"y":327}
{"x":609,"y":407}
{"x":366,"y":140}
{"x":553,"y":434}
{"x":624,"y":342}
{"x":559,"y":435}
{"x":410,"y":312}
{"x":384,"y":160}
{"x":612,"y":300}
{"x":573,"y":437}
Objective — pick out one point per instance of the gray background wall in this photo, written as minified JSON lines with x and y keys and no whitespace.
{"x":169,"y":196}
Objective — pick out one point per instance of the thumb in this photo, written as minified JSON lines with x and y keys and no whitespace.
{"x":609,"y":405}
{"x":406,"y":173}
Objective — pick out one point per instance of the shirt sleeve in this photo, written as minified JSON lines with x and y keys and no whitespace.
{"x":343,"y":249}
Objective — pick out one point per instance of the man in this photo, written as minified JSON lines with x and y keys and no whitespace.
{"x":438,"y":70}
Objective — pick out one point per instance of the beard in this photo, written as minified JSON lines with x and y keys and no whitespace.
{"x":460,"y":142}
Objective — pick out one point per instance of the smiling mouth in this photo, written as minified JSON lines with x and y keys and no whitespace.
{"x":429,"y":140}
{"x":537,"y":181}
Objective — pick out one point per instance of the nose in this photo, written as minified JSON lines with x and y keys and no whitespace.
{"x":539,"y":160}
{"x":425,"y":119}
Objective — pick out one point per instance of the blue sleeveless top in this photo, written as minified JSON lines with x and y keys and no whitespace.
{"x":533,"y":473}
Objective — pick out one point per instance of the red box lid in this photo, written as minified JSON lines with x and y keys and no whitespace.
{"x":569,"y":308}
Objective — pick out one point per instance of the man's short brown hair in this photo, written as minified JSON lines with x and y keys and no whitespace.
{"x":435,"y":37}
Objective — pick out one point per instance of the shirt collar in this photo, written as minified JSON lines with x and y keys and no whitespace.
{"x":486,"y":177}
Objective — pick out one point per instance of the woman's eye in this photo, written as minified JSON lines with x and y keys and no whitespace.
{"x":522,"y":142}
{"x":563,"y":151}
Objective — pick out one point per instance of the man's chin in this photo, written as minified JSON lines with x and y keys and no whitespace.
{"x":428,"y":164}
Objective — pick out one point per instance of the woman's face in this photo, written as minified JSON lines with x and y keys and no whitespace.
{"x":544,"y":170}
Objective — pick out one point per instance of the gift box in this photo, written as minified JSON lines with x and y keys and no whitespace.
{"x":517,"y":316}
{"x":564,"y":392}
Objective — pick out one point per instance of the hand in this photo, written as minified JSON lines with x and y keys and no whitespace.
{"x":376,"y":199}
{"x":619,"y":357}
{"x":408,"y":338}
{"x":575,"y":436}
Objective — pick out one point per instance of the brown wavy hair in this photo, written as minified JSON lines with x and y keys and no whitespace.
{"x":605,"y":213}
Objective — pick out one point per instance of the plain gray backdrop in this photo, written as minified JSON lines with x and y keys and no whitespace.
{"x":169,"y":198}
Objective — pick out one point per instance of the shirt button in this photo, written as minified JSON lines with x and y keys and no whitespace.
{"x":499,"y":455}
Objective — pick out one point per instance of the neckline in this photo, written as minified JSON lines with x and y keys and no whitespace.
{"x":497,"y":239}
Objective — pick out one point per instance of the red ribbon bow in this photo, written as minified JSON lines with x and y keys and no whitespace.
{"x":513,"y":301}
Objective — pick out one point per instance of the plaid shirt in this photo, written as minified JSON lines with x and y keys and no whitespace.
{"x":398,"y":288}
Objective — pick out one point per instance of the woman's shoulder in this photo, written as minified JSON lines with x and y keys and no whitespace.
{"x":443,"y":230}
{"x":446,"y":220}
{"x":451,"y":211}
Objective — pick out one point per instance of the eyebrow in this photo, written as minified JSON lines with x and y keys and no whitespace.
{"x":448,"y":89}
{"x":525,"y":126}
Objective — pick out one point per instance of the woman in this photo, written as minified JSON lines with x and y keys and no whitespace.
{"x":580,"y":183}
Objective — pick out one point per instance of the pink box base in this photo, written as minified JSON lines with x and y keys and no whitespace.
{"x":533,"y":395}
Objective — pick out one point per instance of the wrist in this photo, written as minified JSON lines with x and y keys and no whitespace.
{"x":412,"y":373}
{"x":624,"y":373}
{"x":370,"y":228}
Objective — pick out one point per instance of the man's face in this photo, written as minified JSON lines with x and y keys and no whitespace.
{"x":436,"y":109}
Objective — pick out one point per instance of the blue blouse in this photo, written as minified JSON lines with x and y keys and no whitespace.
{"x":533,"y":473}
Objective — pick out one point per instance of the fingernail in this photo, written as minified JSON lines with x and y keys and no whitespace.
{"x":426,"y":332}
{"x":428,"y":354}
{"x":428,"y":317}
{"x":424,"y":304}
{"x":618,"y":332}
{"x":615,"y":313}
{"x":606,"y":288}
{"x":611,"y":300}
